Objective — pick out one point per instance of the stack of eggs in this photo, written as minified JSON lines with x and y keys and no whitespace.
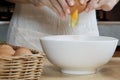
{"x":20,"y":63}
{"x":7,"y":51}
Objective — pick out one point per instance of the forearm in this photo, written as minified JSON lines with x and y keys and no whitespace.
{"x":33,"y":2}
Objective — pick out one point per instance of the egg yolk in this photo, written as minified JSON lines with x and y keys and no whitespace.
{"x":74,"y":18}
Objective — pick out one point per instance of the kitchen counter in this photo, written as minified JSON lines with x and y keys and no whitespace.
{"x":4,"y":22}
{"x":110,"y":71}
{"x":109,"y":22}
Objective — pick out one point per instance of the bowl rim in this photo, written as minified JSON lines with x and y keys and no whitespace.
{"x":105,"y":38}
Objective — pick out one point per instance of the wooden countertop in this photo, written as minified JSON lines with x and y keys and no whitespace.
{"x":117,"y":53}
{"x":110,"y":71}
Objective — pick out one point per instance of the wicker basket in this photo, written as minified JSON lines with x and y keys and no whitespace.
{"x":22,"y":67}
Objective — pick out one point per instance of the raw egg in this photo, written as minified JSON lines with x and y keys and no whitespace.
{"x":22,"y":51}
{"x":75,"y":10}
{"x":77,"y":6}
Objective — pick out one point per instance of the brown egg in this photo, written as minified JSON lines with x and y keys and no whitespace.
{"x":22,"y":51}
{"x":6,"y":50}
{"x":79,"y":6}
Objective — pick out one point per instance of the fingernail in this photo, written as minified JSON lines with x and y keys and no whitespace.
{"x":68,"y":11}
{"x":72,"y":2}
{"x":63,"y":17}
{"x":82,"y":1}
{"x":87,"y":10}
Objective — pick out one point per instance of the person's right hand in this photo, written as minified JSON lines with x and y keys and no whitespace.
{"x":105,"y":5}
{"x":60,"y":7}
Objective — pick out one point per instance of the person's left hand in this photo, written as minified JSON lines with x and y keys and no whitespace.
{"x":105,"y":5}
{"x":60,"y":7}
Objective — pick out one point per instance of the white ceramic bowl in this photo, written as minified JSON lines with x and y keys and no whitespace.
{"x":76,"y":54}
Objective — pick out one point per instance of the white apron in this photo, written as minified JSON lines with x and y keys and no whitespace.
{"x":30,"y":23}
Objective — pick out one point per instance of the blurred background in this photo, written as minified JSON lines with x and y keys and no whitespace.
{"x":6,"y":10}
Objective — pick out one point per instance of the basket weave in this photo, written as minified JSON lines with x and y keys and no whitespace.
{"x":22,"y":67}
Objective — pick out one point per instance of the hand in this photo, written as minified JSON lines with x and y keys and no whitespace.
{"x":60,"y":7}
{"x":105,"y":5}
{"x":84,"y":1}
